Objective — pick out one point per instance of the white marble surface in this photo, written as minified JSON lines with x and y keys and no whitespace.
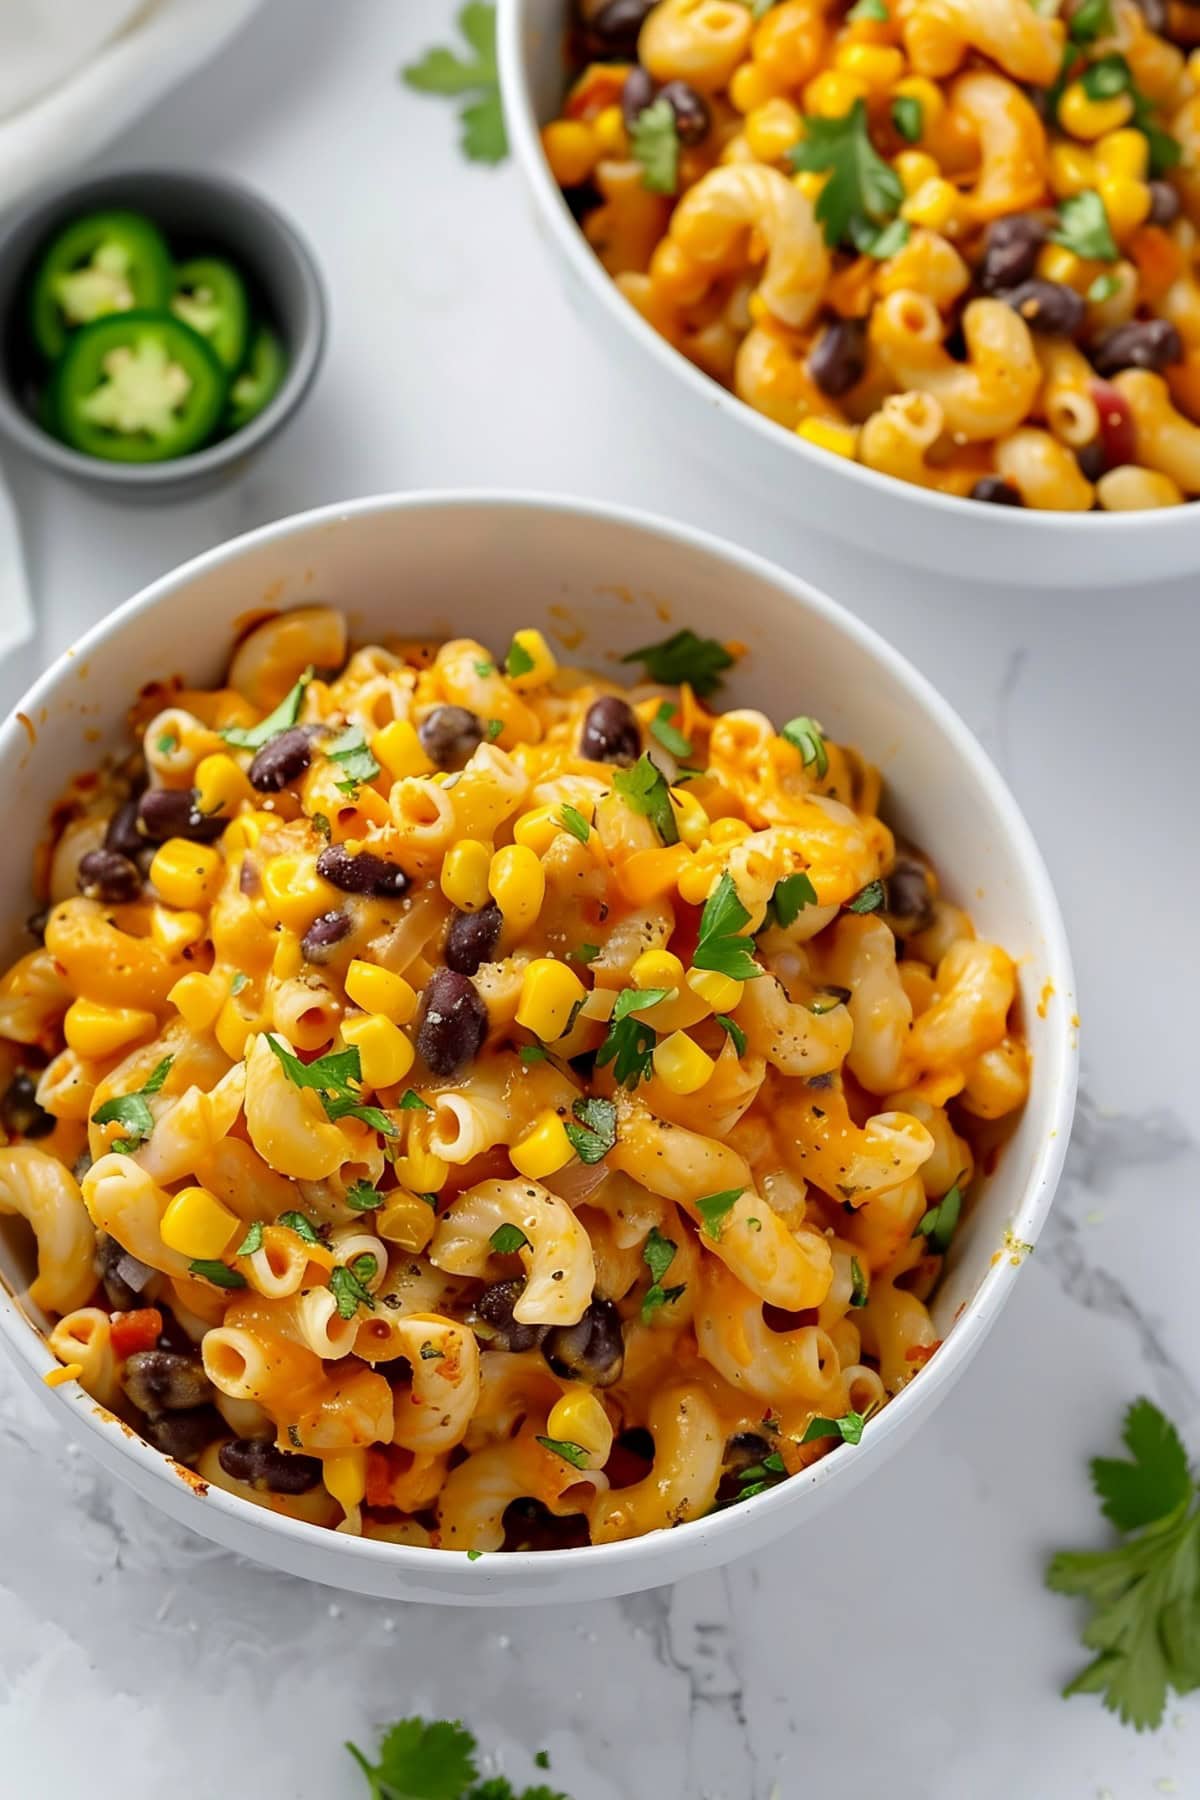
{"x":903,"y":1646}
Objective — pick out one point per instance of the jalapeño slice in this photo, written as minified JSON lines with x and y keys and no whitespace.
{"x":107,"y":262}
{"x":138,"y":387}
{"x":210,"y":296}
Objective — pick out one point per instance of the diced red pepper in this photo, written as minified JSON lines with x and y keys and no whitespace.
{"x":1117,"y":435}
{"x":138,"y":1330}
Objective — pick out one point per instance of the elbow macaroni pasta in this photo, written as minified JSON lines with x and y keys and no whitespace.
{"x":499,"y":1199}
{"x":886,"y":228}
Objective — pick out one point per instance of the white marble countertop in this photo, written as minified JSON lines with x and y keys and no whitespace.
{"x":903,"y":1645}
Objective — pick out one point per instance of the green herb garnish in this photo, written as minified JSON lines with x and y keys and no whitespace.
{"x":218,"y":1273}
{"x":629,"y":1045}
{"x":284,"y":716}
{"x":861,"y":187}
{"x":362,"y":1197}
{"x":506,"y":1240}
{"x":940,"y":1222}
{"x":868,"y":899}
{"x":908,"y":117}
{"x":518,"y":661}
{"x":791,"y":896}
{"x":1083,"y":227}
{"x":658,"y":1253}
{"x":759,"y":1476}
{"x":654,"y":142}
{"x":684,"y":657}
{"x":572,"y":820}
{"x":715,"y":1208}
{"x":668,"y":736}
{"x":131,"y":1111}
{"x":644,"y":790}
{"x":303,"y":1227}
{"x":806,"y":736}
{"x":456,"y":77}
{"x":596,"y":1131}
{"x":252,"y":1240}
{"x":849,"y":1428}
{"x":411,"y":1101}
{"x":575,"y":1454}
{"x":337,"y":1079}
{"x":720,"y":945}
{"x":494,"y":729}
{"x":583,"y":953}
{"x":350,"y":749}
{"x":858,"y":1283}
{"x":348,"y":1286}
{"x":732,"y":1030}
{"x":1091,"y":20}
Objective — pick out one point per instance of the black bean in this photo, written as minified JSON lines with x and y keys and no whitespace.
{"x":323,"y":934}
{"x":36,"y":923}
{"x":165,"y":1381}
{"x":472,"y":938}
{"x":123,"y":835}
{"x":1011,"y":252}
{"x":745,"y":1448}
{"x":1164,"y":203}
{"x":20,"y":1113}
{"x":1092,"y":460}
{"x":453,"y":1022}
{"x":171,"y":812}
{"x":611,"y":732}
{"x":592,"y":1351}
{"x":839,"y":356}
{"x":494,"y":1322}
{"x":106,"y":875}
{"x":258,"y":1461}
{"x":183,"y":1435}
{"x":449,"y":735}
{"x":910,"y":894}
{"x":281,"y":760}
{"x":106,"y":1262}
{"x":614,"y":28}
{"x":365,"y":873}
{"x":1142,"y":344}
{"x":693,"y":118}
{"x":1046,"y":306}
{"x":996,"y":492}
{"x":636,"y":95}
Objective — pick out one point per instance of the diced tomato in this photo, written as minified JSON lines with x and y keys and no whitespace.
{"x":138,"y":1330}
{"x":1117,"y":435}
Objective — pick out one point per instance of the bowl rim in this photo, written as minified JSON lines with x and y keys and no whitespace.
{"x":525,"y":140}
{"x":637,"y":1554}
{"x":302,"y":274}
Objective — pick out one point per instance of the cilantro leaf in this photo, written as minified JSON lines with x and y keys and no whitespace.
{"x":732,"y":1030}
{"x":630,"y":1043}
{"x":444,"y":72}
{"x":252,"y":1240}
{"x":1145,"y":1592}
{"x":302,"y":1226}
{"x":849,"y":1428}
{"x":485,"y":669}
{"x":940,"y":1222}
{"x":596,"y":1133}
{"x":572,"y":820}
{"x":411,"y":1101}
{"x":666,"y":733}
{"x":131,"y":1112}
{"x":506,"y":1240}
{"x":518,"y":661}
{"x":908,"y":117}
{"x":337,"y":1079}
{"x":879,"y":244}
{"x":350,"y":749}
{"x":715,"y":1208}
{"x":806,"y":736}
{"x":758,"y":1477}
{"x":658,"y":1253}
{"x":1091,"y":20}
{"x":421,"y":1760}
{"x":284,"y":716}
{"x":348,"y":1286}
{"x":584,"y":953}
{"x":362,"y":1197}
{"x":859,"y":1287}
{"x":720,"y":944}
{"x":861,"y":186}
{"x":495,"y":729}
{"x":533,"y":1053}
{"x":167,"y":743}
{"x":1084,"y":228}
{"x":644,"y":790}
{"x":1107,"y":77}
{"x":874,"y":10}
{"x":791,"y":896}
{"x":218,"y":1273}
{"x":684,"y":657}
{"x":1103,"y":288}
{"x":654,"y":142}
{"x":868,"y":899}
{"x":575,"y":1454}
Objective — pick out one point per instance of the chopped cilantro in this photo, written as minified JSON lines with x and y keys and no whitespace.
{"x":474,"y":78}
{"x":940,"y":1222}
{"x":303,"y":1228}
{"x":684,"y":657}
{"x":131,"y":1111}
{"x":331,"y":1077}
{"x":1084,"y":228}
{"x":1105,"y":78}
{"x":908,"y":117}
{"x":644,"y":790}
{"x":584,"y":953}
{"x":861,"y":186}
{"x":411,"y":1101}
{"x":350,"y":749}
{"x":654,"y":142}
{"x":252,"y":1240}
{"x":239,"y":982}
{"x":575,"y":1454}
{"x":879,"y":243}
{"x":874,"y":10}
{"x":791,"y":896}
{"x":868,"y":899}
{"x":858,"y":1283}
{"x":474,"y":1555}
{"x":732,"y":1030}
{"x":759,"y":1476}
{"x":596,"y":1132}
{"x":321,"y":825}
{"x":805,"y":734}
{"x":572,"y":820}
{"x":715,"y":1208}
{"x":1091,"y":20}
{"x":518,"y":661}
{"x":668,"y":736}
{"x":167,"y":743}
{"x":849,"y":1428}
{"x":485,"y":669}
{"x":348,"y":1286}
{"x":720,"y":945}
{"x":218,"y":1273}
{"x":362,"y":1197}
{"x":494,"y":728}
{"x":629,"y":1045}
{"x":1103,"y":288}
{"x":506,"y":1240}
{"x":658,"y":1253}
{"x":532,"y":1053}
{"x":284,"y":716}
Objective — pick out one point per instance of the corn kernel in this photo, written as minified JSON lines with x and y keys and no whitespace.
{"x":379,"y":990}
{"x":915,"y":168}
{"x":928,"y":96}
{"x":690,"y":817}
{"x":1071,"y":170}
{"x":537,"y":829}
{"x":935,"y":204}
{"x":517,"y":883}
{"x":579,"y":1418}
{"x":772,"y":129}
{"x":647,"y":874}
{"x":832,"y":93}
{"x":549,"y":992}
{"x":288,"y":959}
{"x":571,"y":150}
{"x":384,"y":1052}
{"x":1087,"y":118}
{"x":175,"y":932}
{"x":750,"y":86}
{"x":186,"y":874}
{"x":1056,"y":263}
{"x":232,"y":1030}
{"x":294,"y":893}
{"x":681,"y":1065}
{"x":695,"y":882}
{"x":612,"y":139}
{"x":1127,"y":204}
{"x":533,"y":645}
{"x":406,"y":1220}
{"x":95,"y":1030}
{"x":543,"y":1150}
{"x":199,"y":998}
{"x":464,"y":876}
{"x":1123,"y":153}
{"x":729,"y":831}
{"x":721,"y":992}
{"x":808,"y":182}
{"x":420,"y":1170}
{"x":195,"y":1224}
{"x":220,"y":785}
{"x":879,"y":65}
{"x":400,"y":750}
{"x":345,"y":1477}
{"x":657,"y":969}
{"x":841,"y":440}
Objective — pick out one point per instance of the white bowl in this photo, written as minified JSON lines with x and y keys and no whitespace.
{"x":485,"y":564}
{"x":964,"y":538}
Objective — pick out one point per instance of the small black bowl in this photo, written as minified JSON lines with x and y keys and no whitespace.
{"x":196,"y":213}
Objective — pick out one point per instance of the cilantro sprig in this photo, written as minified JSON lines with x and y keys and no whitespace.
{"x":348,"y":1284}
{"x":572,"y":820}
{"x":283,"y":717}
{"x":760,"y":1476}
{"x":358,"y":764}
{"x":807,"y":737}
{"x":862,"y":191}
{"x":593,"y":1132}
{"x":720,"y":945}
{"x":1144,"y":1592}
{"x":474,"y":78}
{"x":658,"y":1253}
{"x":434,"y":1759}
{"x":507,"y":1239}
{"x":668,"y":735}
{"x":791,"y":896}
{"x":629,"y":1045}
{"x":1083,"y":227}
{"x":132,"y":1112}
{"x":337,"y":1080}
{"x":654,"y":142}
{"x":940,"y":1221}
{"x":644,"y":790}
{"x":849,"y":1428}
{"x":714,"y":1209}
{"x":684,"y":657}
